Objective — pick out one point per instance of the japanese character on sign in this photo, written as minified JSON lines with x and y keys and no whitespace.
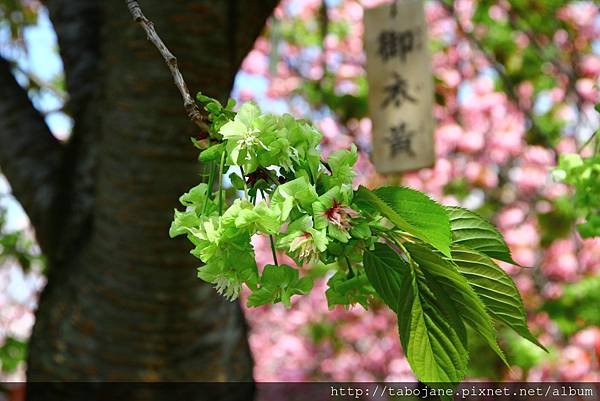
{"x":400,"y":140}
{"x":395,"y":43}
{"x":397,"y":92}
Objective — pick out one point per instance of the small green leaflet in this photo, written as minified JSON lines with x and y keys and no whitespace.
{"x":279,"y":283}
{"x":212,"y":153}
{"x":413,"y":212}
{"x":472,"y":231}
{"x":12,"y":353}
{"x":344,"y":290}
{"x":434,"y":349}
{"x":464,"y":299}
{"x":495,"y":288}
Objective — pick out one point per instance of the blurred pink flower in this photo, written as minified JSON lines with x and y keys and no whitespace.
{"x":471,"y":142}
{"x":590,"y":65}
{"x":256,"y":62}
{"x":560,"y":262}
{"x":574,"y":363}
{"x":589,"y":255}
{"x":587,"y":89}
{"x":588,"y":338}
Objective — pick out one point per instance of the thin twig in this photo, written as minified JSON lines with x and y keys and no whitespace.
{"x":190,"y":105}
{"x":588,"y":141}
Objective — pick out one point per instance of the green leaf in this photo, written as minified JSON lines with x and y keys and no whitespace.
{"x":463,"y":297}
{"x":495,"y":288}
{"x":236,"y":181}
{"x":434,"y":349}
{"x":212,"y":153}
{"x":12,"y":353}
{"x":279,"y":283}
{"x":344,"y":290}
{"x":386,"y":270}
{"x":434,"y":344}
{"x":205,"y":99}
{"x":413,"y":212}
{"x":472,"y":231}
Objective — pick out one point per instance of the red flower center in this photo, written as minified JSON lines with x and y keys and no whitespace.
{"x":339,"y":215}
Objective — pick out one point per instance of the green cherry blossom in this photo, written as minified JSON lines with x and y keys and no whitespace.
{"x":304,"y":243}
{"x":244,"y":138}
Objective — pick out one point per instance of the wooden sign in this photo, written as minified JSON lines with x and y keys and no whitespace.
{"x":400,"y":86}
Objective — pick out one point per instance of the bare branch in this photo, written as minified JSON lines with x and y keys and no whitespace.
{"x":30,"y":156}
{"x":190,"y":105}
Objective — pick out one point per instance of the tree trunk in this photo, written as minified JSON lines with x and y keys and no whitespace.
{"x":122,"y":300}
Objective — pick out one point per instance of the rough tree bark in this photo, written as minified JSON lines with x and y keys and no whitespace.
{"x":122,"y":300}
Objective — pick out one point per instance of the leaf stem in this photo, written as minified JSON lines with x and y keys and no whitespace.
{"x":244,"y":180}
{"x":392,"y":239}
{"x":211,"y":182}
{"x":350,"y":271}
{"x":273,"y":250}
{"x":271,"y":239}
{"x":588,"y":141}
{"x":410,"y":259}
{"x":310,"y":174}
{"x":221,"y":167}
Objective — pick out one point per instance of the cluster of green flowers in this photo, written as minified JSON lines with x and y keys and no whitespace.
{"x":432,"y":265}
{"x":305,"y":206}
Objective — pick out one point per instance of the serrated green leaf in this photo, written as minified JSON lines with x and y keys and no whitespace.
{"x":464,"y":299}
{"x":495,"y":288}
{"x":278,"y":276}
{"x":432,"y":346}
{"x":471,"y":230}
{"x":435,"y":345}
{"x":386,"y":270}
{"x":413,"y":212}
{"x":259,"y":297}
